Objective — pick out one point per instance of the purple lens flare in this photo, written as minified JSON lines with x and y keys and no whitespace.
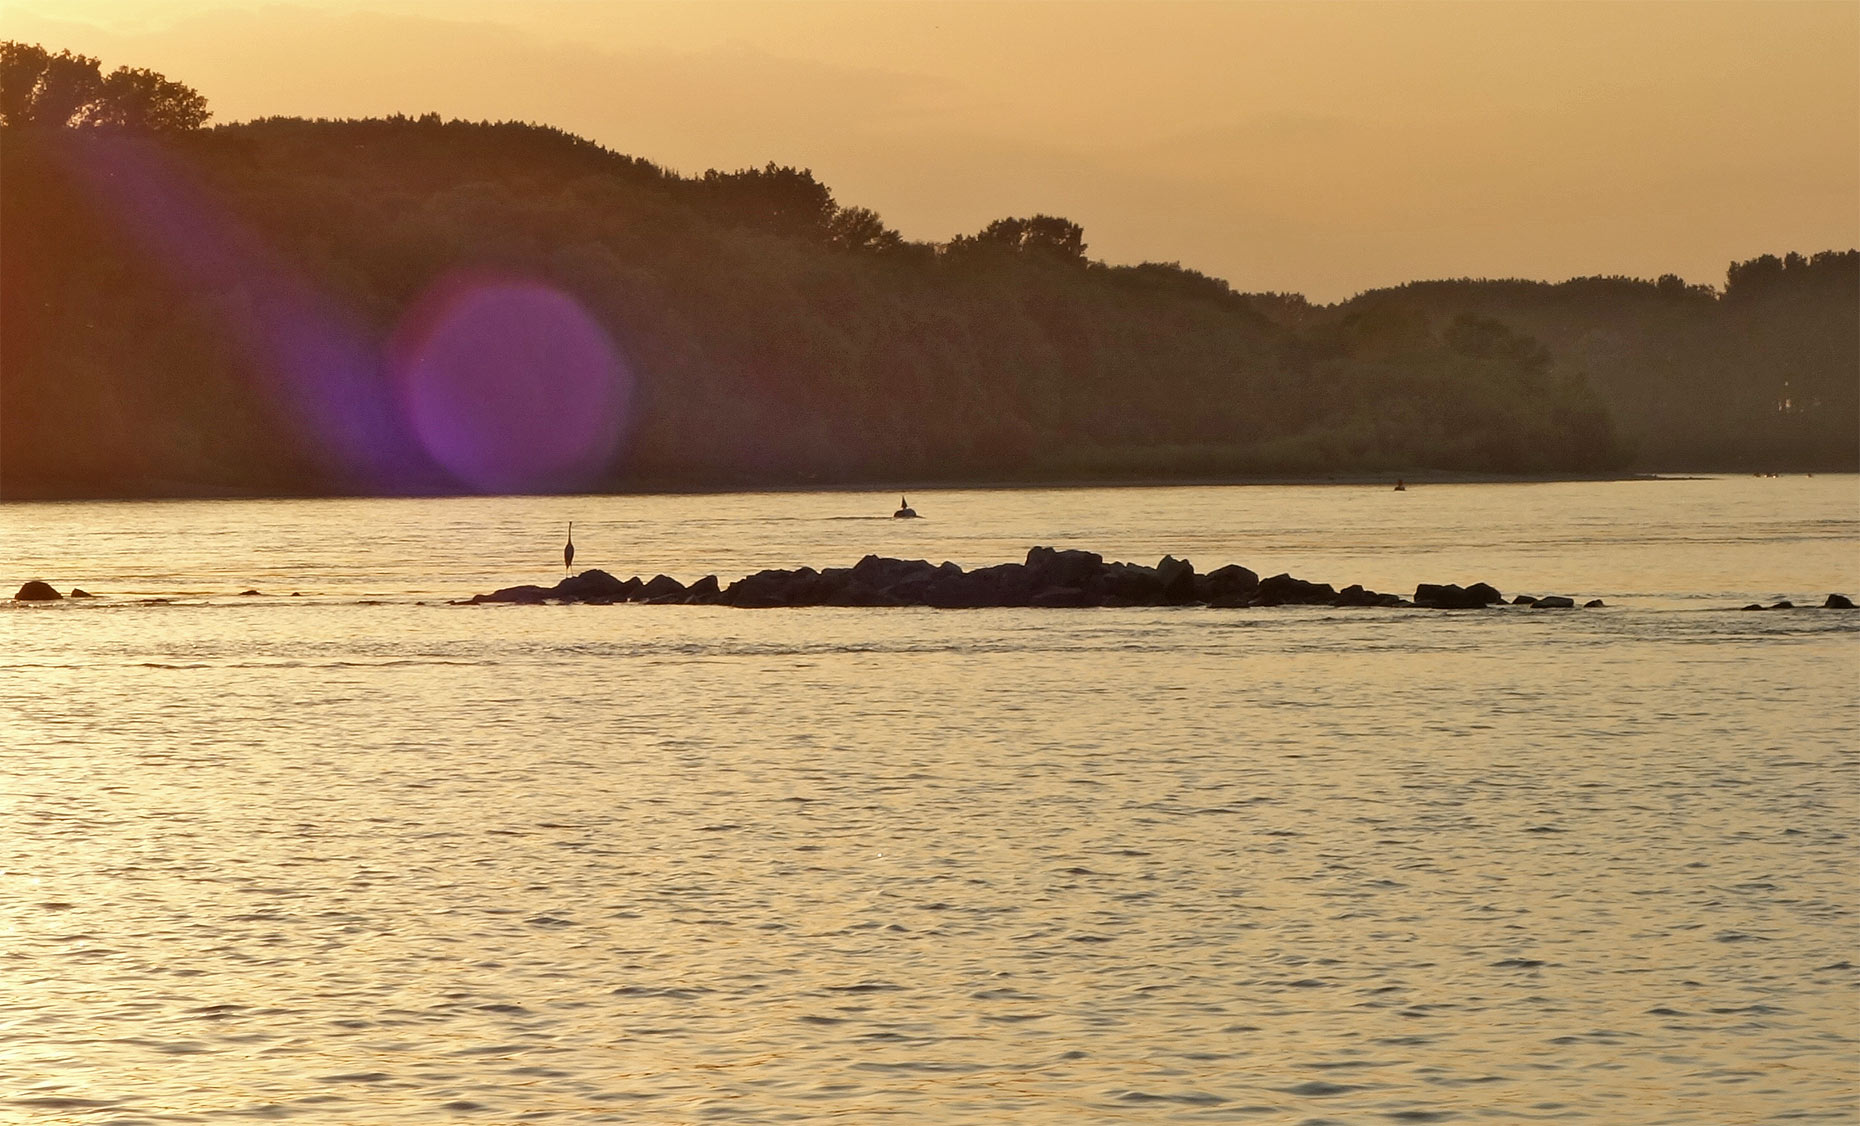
{"x":511,"y":385}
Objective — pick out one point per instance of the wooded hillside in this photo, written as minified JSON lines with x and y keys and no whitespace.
{"x":218,"y":310}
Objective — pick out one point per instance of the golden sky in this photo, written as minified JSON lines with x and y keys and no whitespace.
{"x":1317,"y":147}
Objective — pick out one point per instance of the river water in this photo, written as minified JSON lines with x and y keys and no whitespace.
{"x":341,"y":852}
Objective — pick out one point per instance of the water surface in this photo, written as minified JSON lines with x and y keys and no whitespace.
{"x":341,"y":852}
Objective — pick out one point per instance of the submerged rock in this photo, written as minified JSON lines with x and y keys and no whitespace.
{"x":37,"y":591}
{"x":1838,"y":602}
{"x":1554,"y":602}
{"x":80,"y":592}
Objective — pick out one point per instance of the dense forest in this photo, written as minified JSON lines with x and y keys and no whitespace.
{"x":261,"y":307}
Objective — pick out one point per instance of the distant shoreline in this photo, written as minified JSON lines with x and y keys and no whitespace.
{"x":179,"y":491}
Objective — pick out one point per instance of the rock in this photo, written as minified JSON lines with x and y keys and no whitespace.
{"x":1284,"y":590}
{"x":1754,"y":606}
{"x":1594,"y":604}
{"x":248,"y":594}
{"x":1004,"y":584}
{"x":1060,"y":596}
{"x":1356,"y":595}
{"x":1230,"y":582}
{"x":80,"y":592}
{"x":1524,"y":600}
{"x":1554,"y":602}
{"x":37,"y":591}
{"x":1834,"y":602}
{"x":1451,"y":596}
{"x":592,"y":586}
{"x":1785,"y":604}
{"x":764,"y":588}
{"x":528,"y":594}
{"x":1178,"y":580}
{"x":704,"y":590}
{"x":1050,"y":567}
{"x":660,"y":586}
{"x":883,"y":574}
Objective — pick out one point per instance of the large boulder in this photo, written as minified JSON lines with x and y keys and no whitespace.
{"x":1178,"y":580}
{"x":528,"y":594}
{"x":1451,"y":596}
{"x":36,"y":591}
{"x":1130,"y":584}
{"x":1284,"y":590}
{"x":661,"y":587}
{"x":1838,"y":602}
{"x":1004,"y":584}
{"x":1052,"y":567}
{"x":771,"y":587}
{"x":881,"y":573}
{"x":1231,"y":581}
{"x":593,"y":586}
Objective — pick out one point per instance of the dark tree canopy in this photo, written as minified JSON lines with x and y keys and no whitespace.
{"x":1046,"y":235}
{"x":38,"y":88}
{"x":779,"y":198}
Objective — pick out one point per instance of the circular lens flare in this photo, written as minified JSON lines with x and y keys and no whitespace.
{"x":512,"y":386}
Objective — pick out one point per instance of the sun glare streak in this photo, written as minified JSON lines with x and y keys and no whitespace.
{"x":318,"y":362}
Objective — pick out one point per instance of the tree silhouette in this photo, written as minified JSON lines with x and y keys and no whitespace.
{"x":860,"y":228}
{"x":1046,"y":235}
{"x":779,"y":198}
{"x":38,"y":88}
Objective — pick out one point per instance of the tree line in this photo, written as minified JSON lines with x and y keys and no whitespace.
{"x":38,"y":88}
{"x":154,"y":276}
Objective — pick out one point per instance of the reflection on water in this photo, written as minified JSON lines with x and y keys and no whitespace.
{"x":405,"y":862}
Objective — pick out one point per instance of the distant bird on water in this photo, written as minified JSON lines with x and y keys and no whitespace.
{"x":568,"y":549}
{"x":905,"y":511}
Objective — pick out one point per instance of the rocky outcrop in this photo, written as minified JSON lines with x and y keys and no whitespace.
{"x":36,"y":591}
{"x":1048,"y":577}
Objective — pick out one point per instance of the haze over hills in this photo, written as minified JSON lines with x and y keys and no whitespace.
{"x":271,"y":307}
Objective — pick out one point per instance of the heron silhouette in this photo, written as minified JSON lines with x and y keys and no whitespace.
{"x":568,"y":550}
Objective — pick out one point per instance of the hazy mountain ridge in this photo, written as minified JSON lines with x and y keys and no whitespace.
{"x":778,"y":337}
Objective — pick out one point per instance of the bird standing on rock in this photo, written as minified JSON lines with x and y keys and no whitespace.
{"x":568,"y":550}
